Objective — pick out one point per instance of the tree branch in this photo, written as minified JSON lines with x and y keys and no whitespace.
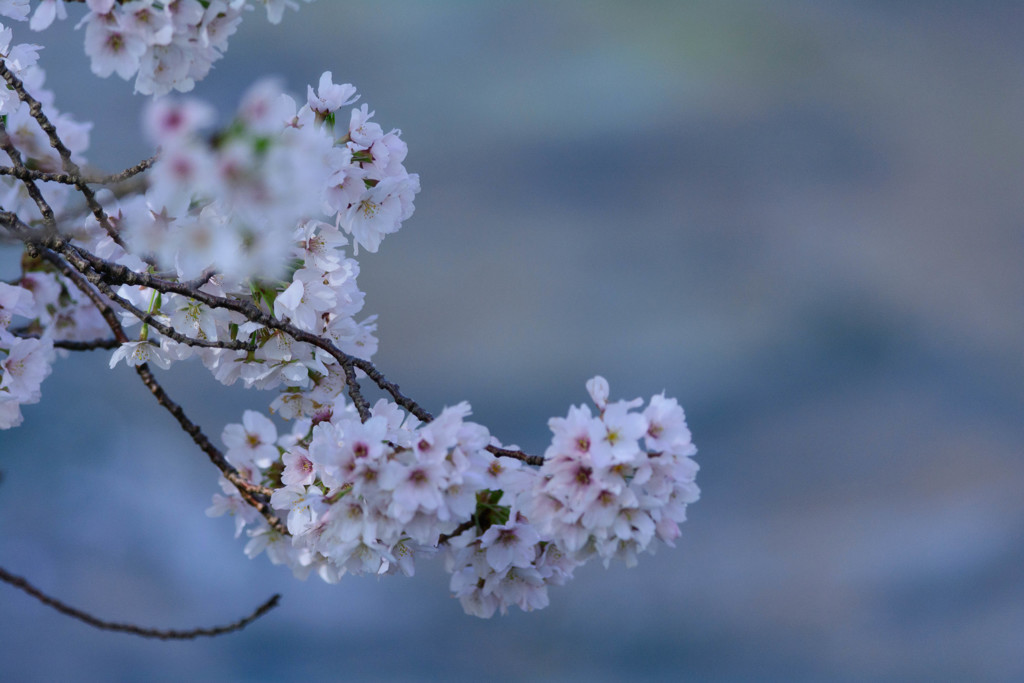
{"x":69,"y":166}
{"x":72,"y":345}
{"x":254,"y":495}
{"x":170,"y":634}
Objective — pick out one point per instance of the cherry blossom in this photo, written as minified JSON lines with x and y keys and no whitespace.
{"x":234,"y":249}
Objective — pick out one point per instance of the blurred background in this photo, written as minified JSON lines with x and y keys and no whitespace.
{"x":803,"y":219}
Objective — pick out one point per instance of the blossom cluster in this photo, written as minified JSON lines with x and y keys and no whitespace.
{"x":165,"y":45}
{"x":249,"y":207}
{"x":262,"y":210}
{"x":237,"y":203}
{"x":234,"y":250}
{"x":369,"y":497}
{"x":24,"y":362}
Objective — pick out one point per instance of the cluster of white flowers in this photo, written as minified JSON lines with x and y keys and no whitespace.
{"x":28,"y":137}
{"x":370,"y":496}
{"x":603,"y":492}
{"x":166,"y":45}
{"x":248,"y":206}
{"x":237,"y":203}
{"x":239,"y":237}
{"x":24,"y":363}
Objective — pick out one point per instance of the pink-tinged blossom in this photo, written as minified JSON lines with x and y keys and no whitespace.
{"x":520,"y":586}
{"x":666,"y":426}
{"x":298,"y":468}
{"x":112,"y":49}
{"x":26,"y":366}
{"x":252,"y":442}
{"x":45,"y":291}
{"x":413,"y":488}
{"x":598,"y":389}
{"x":622,"y":430}
{"x":511,"y":544}
{"x":388,"y":152}
{"x":167,"y":121}
{"x":304,"y":505}
{"x":19,"y":58}
{"x":232,"y":505}
{"x":305,"y":300}
{"x":138,"y":352}
{"x":612,"y":506}
{"x":319,"y":242}
{"x":465,"y":585}
{"x":329,"y":96}
{"x":164,"y":68}
{"x":577,"y":434}
{"x":191,"y":318}
{"x":10,"y":412}
{"x":140,"y":17}
{"x":361,"y":130}
{"x":262,"y":110}
{"x":15,"y":301}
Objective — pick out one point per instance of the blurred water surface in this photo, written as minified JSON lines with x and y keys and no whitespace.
{"x":803,"y":219}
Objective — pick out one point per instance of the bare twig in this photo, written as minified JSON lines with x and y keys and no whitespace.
{"x":168,"y":634}
{"x":256,"y":496}
{"x":124,"y":175}
{"x":518,"y":455}
{"x":72,"y":345}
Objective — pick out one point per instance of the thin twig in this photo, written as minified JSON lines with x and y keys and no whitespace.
{"x":518,"y":455}
{"x":35,"y":109}
{"x":256,"y":496}
{"x":124,"y":175}
{"x":33,"y":190}
{"x":459,"y":530}
{"x":72,"y":345}
{"x":168,"y":634}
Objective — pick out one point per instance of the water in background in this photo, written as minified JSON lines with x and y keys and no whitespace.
{"x":805,"y":220}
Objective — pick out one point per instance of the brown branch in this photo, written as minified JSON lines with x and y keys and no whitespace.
{"x":163,"y":329}
{"x":33,"y":190}
{"x":117,"y":274}
{"x":124,"y":175}
{"x":91,"y":345}
{"x":460,"y":529}
{"x":518,"y":455}
{"x":170,"y":634}
{"x":391,"y":388}
{"x":121,"y":274}
{"x":76,"y":179}
{"x":101,"y":304}
{"x":72,"y":345}
{"x":22,"y":173}
{"x":256,"y":496}
{"x":36,"y":110}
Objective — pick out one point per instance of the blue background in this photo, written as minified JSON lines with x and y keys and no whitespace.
{"x":803,"y":219}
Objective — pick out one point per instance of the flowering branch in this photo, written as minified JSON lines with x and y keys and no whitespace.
{"x":232,"y":248}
